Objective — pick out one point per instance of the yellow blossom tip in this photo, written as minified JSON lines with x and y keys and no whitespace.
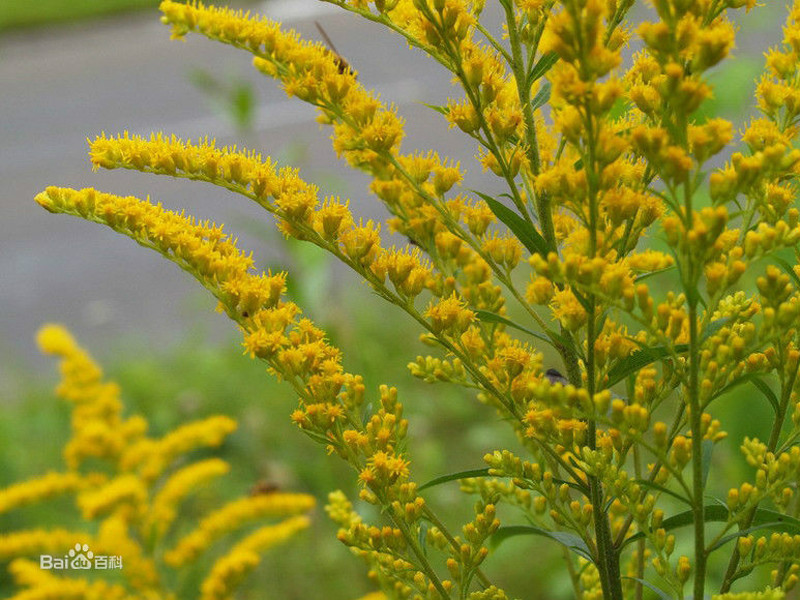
{"x":55,"y":339}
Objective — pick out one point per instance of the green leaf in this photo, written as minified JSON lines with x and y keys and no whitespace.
{"x":525,"y":232}
{"x":368,"y":411}
{"x":583,"y":301}
{"x":712,"y":513}
{"x":569,"y":540}
{"x":542,"y":96}
{"x":758,"y":383}
{"x":552,"y":337}
{"x":644,"y":276}
{"x":715,"y":513}
{"x":543,"y":65}
{"x":658,"y":591}
{"x":422,"y":537}
{"x":708,"y":449}
{"x":764,"y":517}
{"x":767,"y":392}
{"x":619,"y":109}
{"x":442,"y":110}
{"x":639,"y":359}
{"x":788,"y":268}
{"x":662,"y":489}
{"x":714,"y":327}
{"x":724,"y":540}
{"x":490,"y":317}
{"x":243,"y":105}
{"x":455,"y":477}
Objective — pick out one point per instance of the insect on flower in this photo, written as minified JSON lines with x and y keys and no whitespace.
{"x":341,"y":63}
{"x":554,"y":376}
{"x":264,"y":487}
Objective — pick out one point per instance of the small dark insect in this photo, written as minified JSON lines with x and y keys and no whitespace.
{"x":554,"y":376}
{"x":341,"y":63}
{"x":264,"y":487}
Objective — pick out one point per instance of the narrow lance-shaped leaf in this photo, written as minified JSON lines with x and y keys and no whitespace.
{"x":455,"y":477}
{"x":422,"y":537}
{"x":569,"y":540}
{"x":788,"y":269}
{"x":525,"y":232}
{"x":713,"y":328}
{"x":757,"y":382}
{"x":483,"y":473}
{"x":639,"y":359}
{"x":662,"y":489}
{"x":553,"y":338}
{"x":658,"y":591}
{"x":546,"y":62}
{"x":716,"y":513}
{"x":442,"y":110}
{"x":761,"y":522}
{"x":542,"y":96}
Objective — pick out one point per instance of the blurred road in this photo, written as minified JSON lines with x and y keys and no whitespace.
{"x":59,"y":86}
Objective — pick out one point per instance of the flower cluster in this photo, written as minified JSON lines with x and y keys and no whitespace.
{"x":615,"y":254}
{"x":128,"y":487}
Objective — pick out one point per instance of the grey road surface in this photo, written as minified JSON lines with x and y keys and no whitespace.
{"x":58,"y":87}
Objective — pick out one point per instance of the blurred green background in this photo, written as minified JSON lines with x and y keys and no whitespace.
{"x":24,"y":13}
{"x":203,"y":375}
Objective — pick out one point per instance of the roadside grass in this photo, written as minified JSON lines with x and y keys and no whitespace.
{"x":17,"y":14}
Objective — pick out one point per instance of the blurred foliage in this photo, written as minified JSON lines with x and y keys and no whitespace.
{"x":27,"y":13}
{"x":15,"y":14}
{"x":233,"y":98}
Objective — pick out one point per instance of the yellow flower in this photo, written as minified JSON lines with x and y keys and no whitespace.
{"x":125,"y":490}
{"x":450,"y":316}
{"x":33,"y":542}
{"x":153,"y":456}
{"x":29,"y":573}
{"x":227,"y":574}
{"x":182,"y":482}
{"x":568,"y":310}
{"x":374,"y":596}
{"x":38,"y":489}
{"x":232,"y":516}
{"x":199,"y":248}
{"x":117,"y":537}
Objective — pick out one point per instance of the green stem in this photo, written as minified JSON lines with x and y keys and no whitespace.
{"x":412,"y":542}
{"x":607,"y":554}
{"x":453,"y":542}
{"x":695,"y":424}
{"x":543,"y":209}
{"x":777,"y":426}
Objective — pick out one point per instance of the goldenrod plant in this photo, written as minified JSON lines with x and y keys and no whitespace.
{"x":130,"y":488}
{"x":619,"y":242}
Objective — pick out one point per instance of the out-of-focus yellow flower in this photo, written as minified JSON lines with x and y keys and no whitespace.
{"x":234,"y":515}
{"x":38,"y":489}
